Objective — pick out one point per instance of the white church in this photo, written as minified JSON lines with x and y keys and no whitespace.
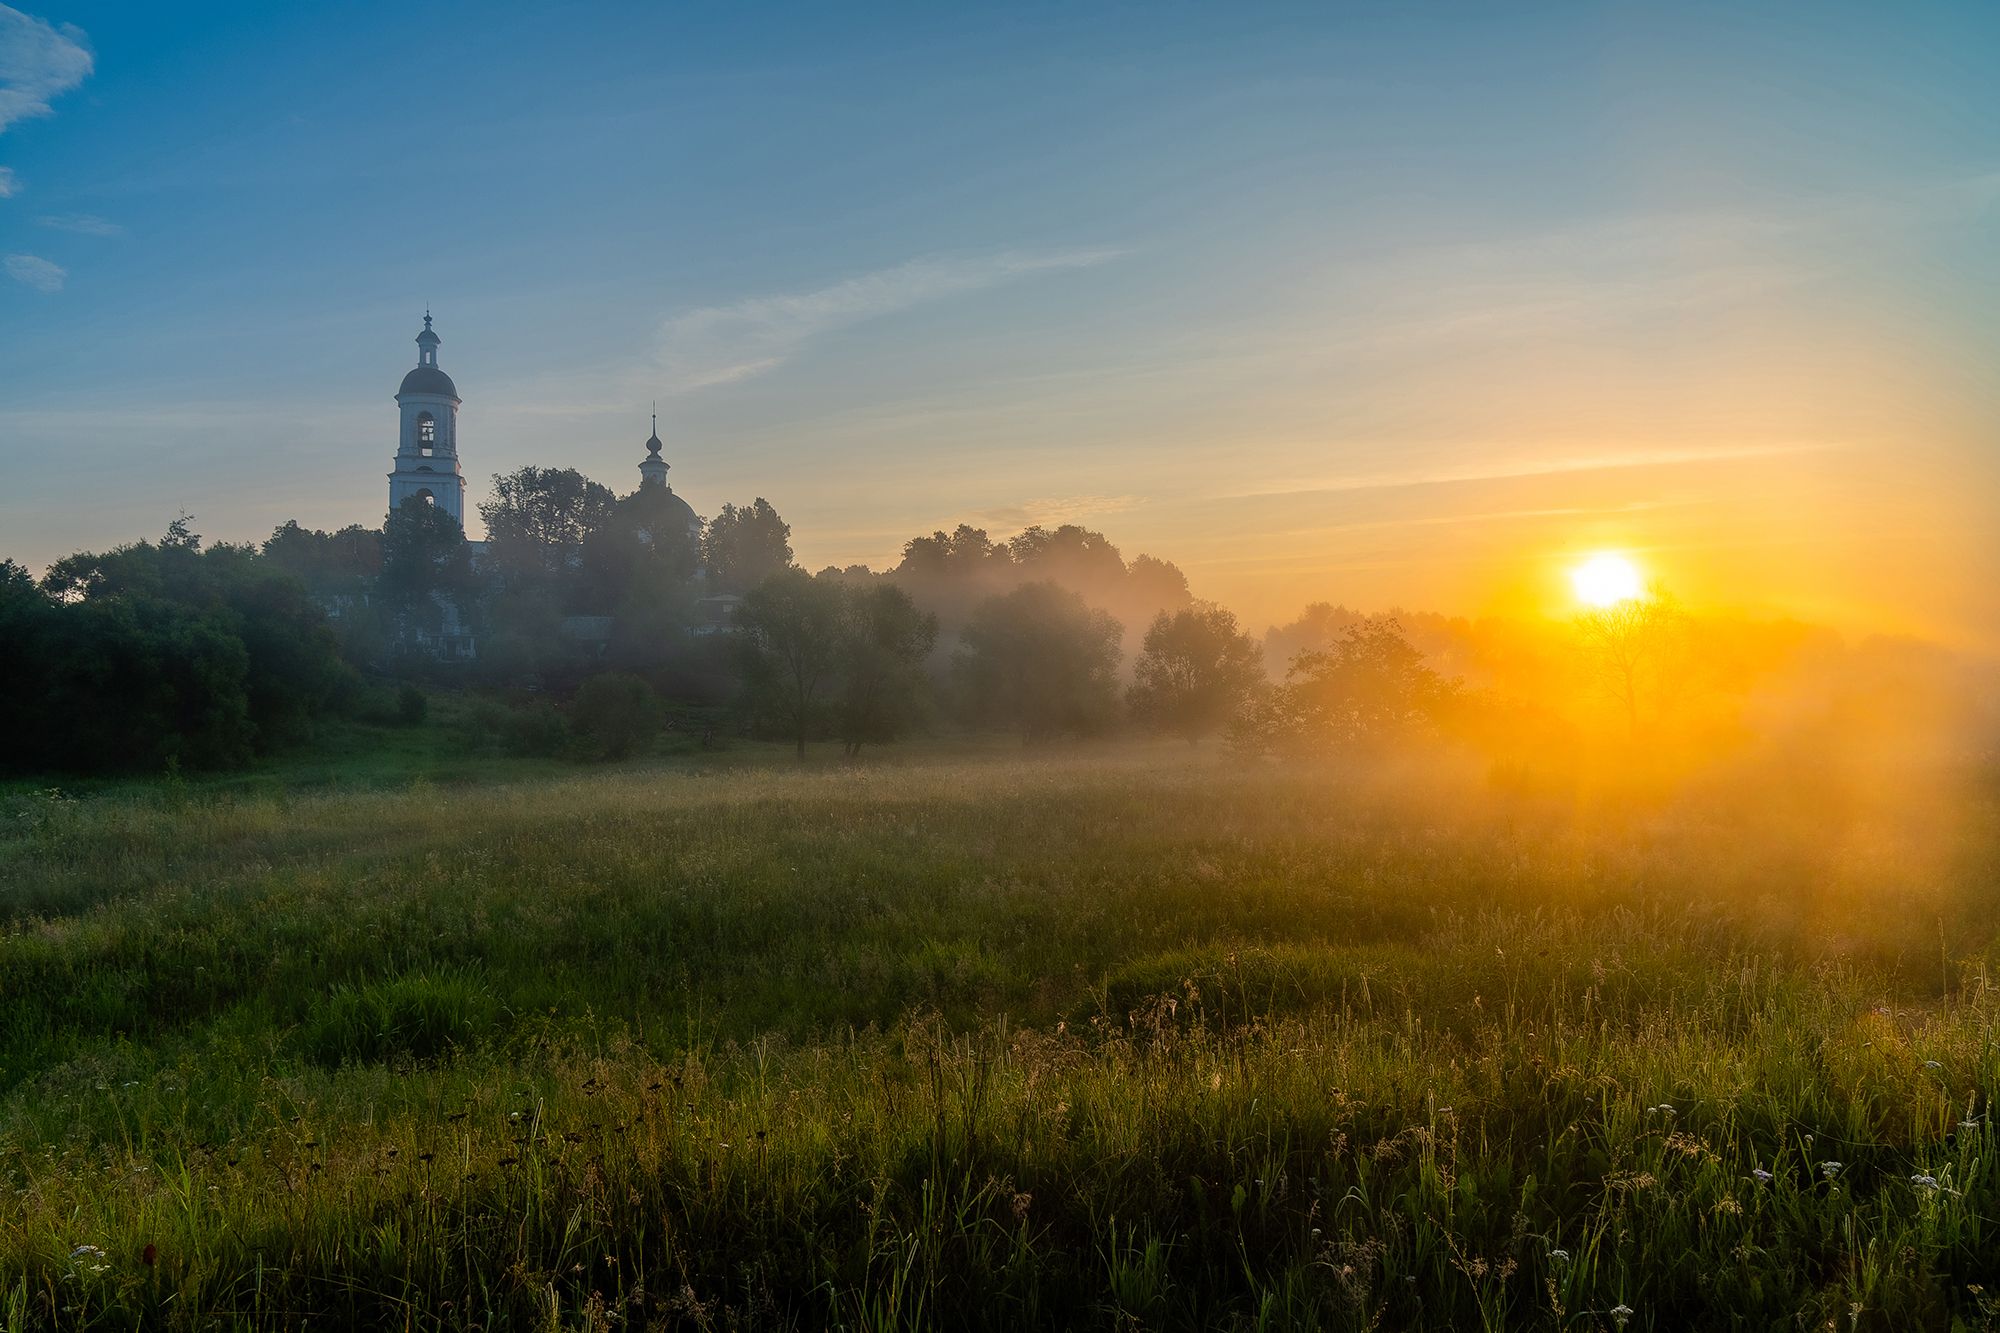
{"x":427,"y":469}
{"x":426,"y":463}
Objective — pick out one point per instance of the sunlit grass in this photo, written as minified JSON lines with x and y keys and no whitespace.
{"x":1135,"y":1037}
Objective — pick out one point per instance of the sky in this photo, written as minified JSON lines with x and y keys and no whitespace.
{"x":1389,"y":305}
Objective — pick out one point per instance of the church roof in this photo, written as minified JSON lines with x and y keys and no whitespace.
{"x":428,"y":380}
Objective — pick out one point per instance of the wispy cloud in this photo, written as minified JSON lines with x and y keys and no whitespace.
{"x":1514,"y":470}
{"x":1053,"y":511}
{"x":724,"y":344}
{"x":38,"y":62}
{"x":34,"y":271}
{"x":83,"y":224}
{"x":9,"y":182}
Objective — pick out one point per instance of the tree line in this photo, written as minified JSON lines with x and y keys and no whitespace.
{"x":590,"y":620}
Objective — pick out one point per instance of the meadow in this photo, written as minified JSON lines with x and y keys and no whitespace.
{"x":1121,"y":1037}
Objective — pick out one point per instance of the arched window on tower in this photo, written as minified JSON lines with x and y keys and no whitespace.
{"x":426,"y":434}
{"x":426,"y":496}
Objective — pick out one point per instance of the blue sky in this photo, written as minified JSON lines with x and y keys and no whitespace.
{"x":1368,"y":303}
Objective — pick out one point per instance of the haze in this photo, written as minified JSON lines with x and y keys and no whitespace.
{"x":1385,"y":306}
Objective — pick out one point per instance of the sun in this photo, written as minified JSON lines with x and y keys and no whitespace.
{"x":1606,"y":579}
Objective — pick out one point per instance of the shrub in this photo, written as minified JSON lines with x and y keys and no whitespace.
{"x":411,"y":706}
{"x":613,"y":715}
{"x":534,"y":731}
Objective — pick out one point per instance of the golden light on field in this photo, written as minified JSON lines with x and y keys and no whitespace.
{"x":1606,"y":579}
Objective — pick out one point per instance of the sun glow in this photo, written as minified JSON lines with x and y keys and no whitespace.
{"x":1606,"y":579}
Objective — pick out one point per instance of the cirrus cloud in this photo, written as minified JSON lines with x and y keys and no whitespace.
{"x":39,"y":61}
{"x":722,"y":344}
{"x":37,"y":272}
{"x":83,"y":224}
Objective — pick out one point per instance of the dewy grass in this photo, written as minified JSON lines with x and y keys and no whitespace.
{"x":1138,"y":1038}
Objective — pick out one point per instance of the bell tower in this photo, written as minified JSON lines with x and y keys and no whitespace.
{"x":427,"y":448}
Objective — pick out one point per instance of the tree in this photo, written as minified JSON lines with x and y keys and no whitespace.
{"x":744,"y":547}
{"x":1369,"y":688}
{"x":538,"y":519}
{"x":884,"y":642}
{"x":964,"y":553}
{"x":1641,"y":653}
{"x":217,"y":623}
{"x":424,"y":563}
{"x":329,"y":564}
{"x":1155,"y":585}
{"x":1041,"y":661}
{"x":1195,"y":671}
{"x":791,"y":630}
{"x":614,"y":715}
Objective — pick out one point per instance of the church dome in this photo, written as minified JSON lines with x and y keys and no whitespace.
{"x":428,"y":380}
{"x":680,"y":509}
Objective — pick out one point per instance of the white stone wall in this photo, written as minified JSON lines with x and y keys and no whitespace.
{"x":439,"y":473}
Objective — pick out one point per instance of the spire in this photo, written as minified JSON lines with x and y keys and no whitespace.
{"x":427,"y":343}
{"x":653,"y":469}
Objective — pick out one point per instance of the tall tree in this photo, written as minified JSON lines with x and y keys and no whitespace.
{"x":1040,"y":661}
{"x":884,"y":642}
{"x":538,"y":519}
{"x":1194,"y":671}
{"x":1370,"y":687}
{"x":1641,"y":653}
{"x":744,"y":547}
{"x":791,"y":631}
{"x":424,"y":564}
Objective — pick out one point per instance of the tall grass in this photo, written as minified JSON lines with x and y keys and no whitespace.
{"x":1118,"y":1039}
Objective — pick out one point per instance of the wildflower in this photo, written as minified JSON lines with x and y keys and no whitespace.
{"x":86,"y":1252}
{"x":1829,"y":1169}
{"x":1762,"y":1176}
{"x":1621,"y":1315}
{"x":1559,"y":1258}
{"x":1924,"y":1184}
{"x":1932,"y":1064}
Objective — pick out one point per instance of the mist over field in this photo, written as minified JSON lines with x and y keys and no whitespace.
{"x":1135,"y":668}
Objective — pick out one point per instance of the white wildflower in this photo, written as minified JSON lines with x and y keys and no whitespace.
{"x":1762,"y":1176}
{"x":1829,"y":1169}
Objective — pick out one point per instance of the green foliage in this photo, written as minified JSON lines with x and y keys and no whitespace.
{"x":424,"y":566}
{"x":885,"y":641}
{"x":1061,"y":1041}
{"x":537,"y":520}
{"x":412,"y":706}
{"x":1195,"y":671}
{"x":792,"y":639}
{"x":534,"y":730}
{"x":1367,"y":690}
{"x":614,"y":715}
{"x":1039,"y":661}
{"x":745,"y":547}
{"x":160,"y":652}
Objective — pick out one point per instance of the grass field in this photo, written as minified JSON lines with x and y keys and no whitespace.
{"x":1118,"y":1038}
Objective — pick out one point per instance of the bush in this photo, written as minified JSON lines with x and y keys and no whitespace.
{"x":411,"y":706}
{"x":534,"y":731}
{"x":613,"y":715}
